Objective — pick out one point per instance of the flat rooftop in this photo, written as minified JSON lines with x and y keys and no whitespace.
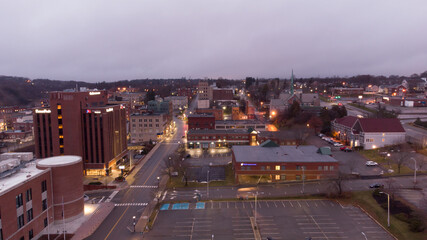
{"x":234,"y":122}
{"x":279,"y":154}
{"x":22,"y":174}
{"x":213,"y":131}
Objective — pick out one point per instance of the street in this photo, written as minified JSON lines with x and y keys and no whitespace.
{"x":142,"y":188}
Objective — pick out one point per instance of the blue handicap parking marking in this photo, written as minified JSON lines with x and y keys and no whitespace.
{"x":200,"y":205}
{"x":165,"y":206}
{"x":180,"y":206}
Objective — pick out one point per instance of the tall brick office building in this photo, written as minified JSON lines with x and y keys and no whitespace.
{"x":83,"y":124}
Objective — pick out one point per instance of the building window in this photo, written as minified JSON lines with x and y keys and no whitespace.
{"x":29,"y":195}
{"x":331,"y":168}
{"x":268,"y":167}
{"x":283,"y":168}
{"x":29,"y":215}
{"x":369,"y":140}
{"x":157,"y":120}
{"x":44,"y":186}
{"x":139,"y":120}
{"x":19,"y":200}
{"x":277,"y":167}
{"x":283,"y":177}
{"x":133,"y":120}
{"x":298,"y":177}
{"x":319,"y":168}
{"x":382,"y":140}
{"x":325,"y":168}
{"x":21,"y":221}
{"x":298,"y":167}
{"x":277,"y":177}
{"x":44,"y":204}
{"x":262,"y":168}
{"x":30,"y":234}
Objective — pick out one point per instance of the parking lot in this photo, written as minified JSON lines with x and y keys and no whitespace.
{"x":278,"y":219}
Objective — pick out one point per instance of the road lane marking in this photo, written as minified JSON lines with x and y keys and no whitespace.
{"x":143,"y":186}
{"x":116,"y":223}
{"x":130,"y":204}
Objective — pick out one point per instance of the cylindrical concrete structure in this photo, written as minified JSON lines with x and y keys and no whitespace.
{"x":67,"y":185}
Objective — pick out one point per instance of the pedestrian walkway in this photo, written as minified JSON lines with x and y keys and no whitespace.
{"x":130,"y":204}
{"x":89,"y":227}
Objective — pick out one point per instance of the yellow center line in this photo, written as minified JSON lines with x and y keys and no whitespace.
{"x":116,"y":223}
{"x":128,"y":206}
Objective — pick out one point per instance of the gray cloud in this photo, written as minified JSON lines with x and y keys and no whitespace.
{"x":112,"y":40}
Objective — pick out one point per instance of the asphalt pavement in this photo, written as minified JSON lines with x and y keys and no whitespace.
{"x":132,"y":200}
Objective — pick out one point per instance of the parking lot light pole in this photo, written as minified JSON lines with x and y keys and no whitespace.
{"x":158,"y":182}
{"x":415,"y":170}
{"x":134,"y":223}
{"x":207,"y":185}
{"x":366,"y":238}
{"x":303,"y":169}
{"x":388,"y":208}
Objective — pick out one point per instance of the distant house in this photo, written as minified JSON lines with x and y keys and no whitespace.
{"x":369,"y":133}
{"x":285,"y":100}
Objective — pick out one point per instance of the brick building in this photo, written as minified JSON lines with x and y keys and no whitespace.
{"x":217,"y":112}
{"x":209,"y":138}
{"x":148,"y":126}
{"x":201,"y":121}
{"x":34,"y":193}
{"x":276,"y":163}
{"x":81,"y":123}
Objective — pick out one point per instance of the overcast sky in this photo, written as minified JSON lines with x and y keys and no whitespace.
{"x":112,"y":40}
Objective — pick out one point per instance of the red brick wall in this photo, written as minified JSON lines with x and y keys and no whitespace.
{"x":8,"y":208}
{"x":201,"y":122}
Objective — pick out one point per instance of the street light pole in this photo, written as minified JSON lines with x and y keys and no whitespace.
{"x":158,"y":182}
{"x":366,"y":238}
{"x":415,"y":170}
{"x":134,"y":223}
{"x":388,"y":208}
{"x":303,"y":177}
{"x":207,"y":185}
{"x":256,"y":196}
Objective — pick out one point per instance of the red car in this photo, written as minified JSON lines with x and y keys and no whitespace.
{"x":346,"y":149}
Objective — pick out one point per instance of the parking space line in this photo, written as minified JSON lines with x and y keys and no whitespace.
{"x":275,"y":203}
{"x":323,"y":203}
{"x":251,"y":205}
{"x":291,"y":204}
{"x":315,"y":204}
{"x":259,"y":204}
{"x":243,"y":203}
{"x":227,"y":205}
{"x":266,"y":202}
{"x":307,"y":203}
{"x":299,"y":204}
{"x":283,"y":203}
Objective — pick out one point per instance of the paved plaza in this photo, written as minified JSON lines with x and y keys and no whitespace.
{"x":278,"y":219}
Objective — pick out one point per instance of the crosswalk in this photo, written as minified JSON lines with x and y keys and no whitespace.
{"x":130,"y":204}
{"x":143,"y":186}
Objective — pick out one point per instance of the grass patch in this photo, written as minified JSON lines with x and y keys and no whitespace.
{"x":398,"y":228}
{"x":384,"y":162}
{"x":176,"y":182}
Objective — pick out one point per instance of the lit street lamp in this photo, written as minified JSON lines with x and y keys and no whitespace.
{"x":388,"y":208}
{"x":134,"y":223}
{"x":158,"y":182}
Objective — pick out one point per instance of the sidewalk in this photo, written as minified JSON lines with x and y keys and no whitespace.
{"x":95,"y":220}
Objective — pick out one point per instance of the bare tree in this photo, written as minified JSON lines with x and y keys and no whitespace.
{"x":169,"y":165}
{"x":352,"y":163}
{"x":337,"y":183}
{"x":390,"y":184}
{"x":300,"y":134}
{"x":400,"y":155}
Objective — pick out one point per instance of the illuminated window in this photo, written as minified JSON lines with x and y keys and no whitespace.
{"x":277,"y":168}
{"x":59,"y":116}
{"x":61,"y":146}
{"x":382,"y":140}
{"x":59,"y":107}
{"x":277,"y":177}
{"x":60,"y":126}
{"x":61,"y":136}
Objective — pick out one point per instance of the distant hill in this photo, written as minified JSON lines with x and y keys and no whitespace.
{"x":20,"y":91}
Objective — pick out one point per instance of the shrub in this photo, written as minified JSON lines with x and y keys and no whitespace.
{"x":416,"y":225}
{"x":95,"y":183}
{"x":402,"y":217}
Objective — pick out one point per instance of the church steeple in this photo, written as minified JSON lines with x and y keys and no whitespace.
{"x":292,"y":83}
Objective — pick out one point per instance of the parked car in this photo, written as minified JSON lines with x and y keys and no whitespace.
{"x":376,"y":185}
{"x":371,"y":163}
{"x":321,"y":135}
{"x":337,"y":144}
{"x":346,"y":149}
